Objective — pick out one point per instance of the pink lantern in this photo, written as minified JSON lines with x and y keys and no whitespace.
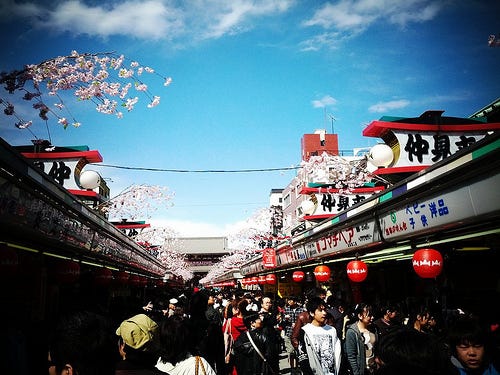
{"x":427,"y":263}
{"x":357,"y":271}
{"x":322,"y":273}
{"x":298,"y":276}
{"x":271,"y":279}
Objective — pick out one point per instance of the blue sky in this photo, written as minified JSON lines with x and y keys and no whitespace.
{"x":249,"y":79}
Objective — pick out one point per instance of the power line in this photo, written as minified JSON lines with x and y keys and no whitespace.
{"x":197,"y":170}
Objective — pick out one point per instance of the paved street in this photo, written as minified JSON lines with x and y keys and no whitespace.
{"x":284,"y":365}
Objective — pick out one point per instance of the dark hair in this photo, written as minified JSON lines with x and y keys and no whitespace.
{"x":408,"y":351}
{"x":174,"y":339}
{"x":84,"y":340}
{"x":314,"y":303}
{"x":242,"y":305}
{"x":198,"y":304}
{"x":419,"y":311}
{"x":315,"y":292}
{"x":359,"y":309}
{"x":249,"y":319}
{"x":467,"y":330}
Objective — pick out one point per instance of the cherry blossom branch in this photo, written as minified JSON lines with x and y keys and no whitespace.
{"x":137,"y":201}
{"x":168,"y":250}
{"x":102,"y":78}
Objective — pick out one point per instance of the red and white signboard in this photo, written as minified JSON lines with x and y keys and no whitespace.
{"x":269,"y":258}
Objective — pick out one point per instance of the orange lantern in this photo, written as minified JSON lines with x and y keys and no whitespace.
{"x":103,"y":276}
{"x":271,"y":279}
{"x":298,"y":276}
{"x":262,"y":280}
{"x":67,"y":271}
{"x":427,"y":263}
{"x":357,"y":271}
{"x":322,"y":273}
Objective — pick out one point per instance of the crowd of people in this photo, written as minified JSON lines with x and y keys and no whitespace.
{"x":242,"y":332}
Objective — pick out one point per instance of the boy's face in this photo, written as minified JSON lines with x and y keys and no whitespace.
{"x":470,"y":355}
{"x":319,"y":315}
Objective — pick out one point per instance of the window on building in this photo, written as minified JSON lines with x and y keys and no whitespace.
{"x":287,"y":200}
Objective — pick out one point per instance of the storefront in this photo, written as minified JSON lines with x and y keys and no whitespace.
{"x":452,"y":207}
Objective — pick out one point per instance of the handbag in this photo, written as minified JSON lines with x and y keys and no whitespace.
{"x":198,"y":364}
{"x":228,"y":341}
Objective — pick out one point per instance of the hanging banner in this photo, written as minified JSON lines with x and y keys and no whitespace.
{"x":269,"y":258}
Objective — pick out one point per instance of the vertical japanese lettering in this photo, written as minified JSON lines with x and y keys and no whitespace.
{"x":416,"y":147}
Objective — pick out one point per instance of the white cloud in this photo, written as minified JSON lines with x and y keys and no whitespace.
{"x":232,"y":17}
{"x":325,"y":101}
{"x":146,"y":19}
{"x":388,"y":106}
{"x":331,"y":40}
{"x":357,"y":15}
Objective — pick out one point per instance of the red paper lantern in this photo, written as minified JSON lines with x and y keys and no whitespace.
{"x":143,"y":280}
{"x":9,"y":262}
{"x":262,"y":280}
{"x":271,"y":279}
{"x":357,"y":271}
{"x":135,"y":280}
{"x":67,"y":271}
{"x":298,"y":276}
{"x":254,"y":280}
{"x":427,"y":263}
{"x":322,"y":273}
{"x":103,"y":276}
{"x":122,"y":277}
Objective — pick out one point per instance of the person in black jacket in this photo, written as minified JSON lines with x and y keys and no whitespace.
{"x":206,"y":335}
{"x":247,"y":359}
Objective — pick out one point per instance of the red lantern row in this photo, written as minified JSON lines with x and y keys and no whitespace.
{"x":263,"y":279}
{"x":427,"y":263}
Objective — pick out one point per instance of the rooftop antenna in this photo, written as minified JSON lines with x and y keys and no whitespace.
{"x":332,"y":119}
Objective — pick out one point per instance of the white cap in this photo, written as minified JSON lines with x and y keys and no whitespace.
{"x":173,"y":301}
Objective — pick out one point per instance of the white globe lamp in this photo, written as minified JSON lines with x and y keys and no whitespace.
{"x":308,"y":207}
{"x":381,"y":155}
{"x":90,"y":180}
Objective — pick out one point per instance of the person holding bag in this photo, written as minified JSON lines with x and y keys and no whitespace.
{"x":251,"y":349}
